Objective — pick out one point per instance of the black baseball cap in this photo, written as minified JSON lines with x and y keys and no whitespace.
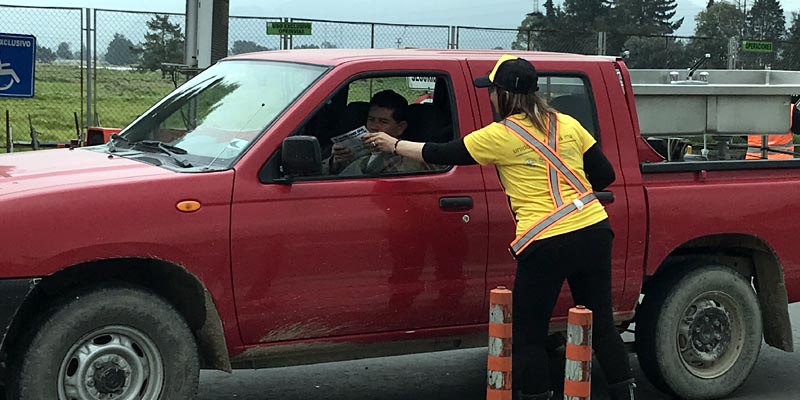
{"x":513,"y":74}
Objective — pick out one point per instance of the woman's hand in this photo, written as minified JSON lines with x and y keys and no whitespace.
{"x":380,"y":141}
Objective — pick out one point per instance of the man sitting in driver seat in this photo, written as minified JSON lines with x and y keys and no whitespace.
{"x":387,"y":113}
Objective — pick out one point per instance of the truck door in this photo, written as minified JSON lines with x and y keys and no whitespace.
{"x":331,"y":255}
{"x":576,"y":89}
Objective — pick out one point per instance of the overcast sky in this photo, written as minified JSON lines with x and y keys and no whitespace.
{"x":497,"y":13}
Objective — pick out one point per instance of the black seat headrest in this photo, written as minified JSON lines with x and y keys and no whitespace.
{"x":577,"y":107}
{"x":427,"y":123}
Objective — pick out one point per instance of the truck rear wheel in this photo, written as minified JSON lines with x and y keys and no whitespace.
{"x":110,"y":344}
{"x":698,"y":335}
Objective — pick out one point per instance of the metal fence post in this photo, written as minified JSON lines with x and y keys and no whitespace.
{"x":528,"y":41}
{"x":89,"y":68}
{"x":601,"y":43}
{"x":8,"y":133}
{"x":733,"y":50}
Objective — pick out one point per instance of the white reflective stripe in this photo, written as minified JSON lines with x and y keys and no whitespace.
{"x":556,"y":193}
{"x":552,"y":141}
{"x":784,"y":147}
{"x":548,"y":154}
{"x":550,"y":221}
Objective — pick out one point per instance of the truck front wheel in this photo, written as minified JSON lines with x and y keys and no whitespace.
{"x":112,"y":343}
{"x":698,"y":335}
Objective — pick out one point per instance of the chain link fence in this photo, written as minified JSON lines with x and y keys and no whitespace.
{"x":487,"y":38}
{"x":366,"y":35}
{"x":59,"y":72}
{"x":249,"y":34}
{"x":124,"y":84}
{"x":128,"y":75}
{"x":677,"y":52}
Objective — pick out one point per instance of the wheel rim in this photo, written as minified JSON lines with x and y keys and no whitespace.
{"x":711,"y":335}
{"x":112,"y":363}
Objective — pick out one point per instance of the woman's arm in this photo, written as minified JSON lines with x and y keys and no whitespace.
{"x":597,"y":167}
{"x":451,"y":153}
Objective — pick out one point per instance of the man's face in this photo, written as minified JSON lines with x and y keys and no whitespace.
{"x":382,"y":120}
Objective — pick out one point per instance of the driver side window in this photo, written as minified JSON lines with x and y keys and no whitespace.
{"x":414,"y":108}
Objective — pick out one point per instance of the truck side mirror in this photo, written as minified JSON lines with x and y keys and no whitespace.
{"x":301,"y":156}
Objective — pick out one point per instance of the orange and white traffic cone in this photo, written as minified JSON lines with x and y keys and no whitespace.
{"x":578,"y":370}
{"x":498,"y":385}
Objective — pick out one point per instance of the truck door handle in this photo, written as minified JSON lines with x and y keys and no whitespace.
{"x":605,"y":196}
{"x":455,"y":203}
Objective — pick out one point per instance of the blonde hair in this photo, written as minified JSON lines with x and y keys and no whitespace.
{"x":534,"y":107}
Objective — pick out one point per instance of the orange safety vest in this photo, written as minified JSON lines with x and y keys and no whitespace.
{"x":783,"y":142}
{"x":555,"y":167}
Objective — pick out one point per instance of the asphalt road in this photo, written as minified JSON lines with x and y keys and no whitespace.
{"x":456,"y":375}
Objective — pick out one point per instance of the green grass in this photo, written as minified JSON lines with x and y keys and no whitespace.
{"x":121,"y":97}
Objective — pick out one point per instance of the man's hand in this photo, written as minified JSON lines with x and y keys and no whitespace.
{"x":380,"y":141}
{"x":341,"y":155}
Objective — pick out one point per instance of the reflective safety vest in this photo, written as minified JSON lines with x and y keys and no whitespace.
{"x":556,"y":169}
{"x":774,"y":142}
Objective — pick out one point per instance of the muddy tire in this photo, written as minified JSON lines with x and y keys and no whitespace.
{"x":109,"y":343}
{"x":698,"y":333}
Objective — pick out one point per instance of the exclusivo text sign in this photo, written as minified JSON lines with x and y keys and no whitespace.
{"x":288,"y":28}
{"x":17,"y":61}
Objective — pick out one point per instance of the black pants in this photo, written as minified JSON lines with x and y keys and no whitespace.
{"x":583,"y":258}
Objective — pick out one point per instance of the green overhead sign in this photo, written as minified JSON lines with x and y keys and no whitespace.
{"x":288,"y":28}
{"x":758,"y":47}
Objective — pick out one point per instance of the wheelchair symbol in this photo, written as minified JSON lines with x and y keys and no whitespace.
{"x":7,"y":72}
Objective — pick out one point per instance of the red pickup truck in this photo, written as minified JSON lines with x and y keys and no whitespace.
{"x":207,"y":234}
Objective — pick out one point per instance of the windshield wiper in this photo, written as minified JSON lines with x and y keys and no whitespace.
{"x":116,"y":138}
{"x":174,"y":151}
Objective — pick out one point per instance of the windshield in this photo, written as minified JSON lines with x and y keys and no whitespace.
{"x":215,"y":116}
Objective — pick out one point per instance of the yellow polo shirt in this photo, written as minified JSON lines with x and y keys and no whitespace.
{"x":523,"y":172}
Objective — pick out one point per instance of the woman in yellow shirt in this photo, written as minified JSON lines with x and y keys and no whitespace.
{"x":549,"y":166}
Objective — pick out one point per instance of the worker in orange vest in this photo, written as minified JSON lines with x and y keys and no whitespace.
{"x":784,"y":143}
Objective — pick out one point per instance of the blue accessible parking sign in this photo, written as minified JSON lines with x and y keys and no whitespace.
{"x":17,"y":61}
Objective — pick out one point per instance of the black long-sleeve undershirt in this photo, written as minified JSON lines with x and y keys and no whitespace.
{"x":598,"y":169}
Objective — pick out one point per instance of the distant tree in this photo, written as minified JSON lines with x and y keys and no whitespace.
{"x":588,"y":14}
{"x":583,"y":19}
{"x":710,"y":3}
{"x":793,"y":34}
{"x":79,"y":55}
{"x":246,"y":46}
{"x":547,"y":31}
{"x":790,"y":50}
{"x":44,"y":55}
{"x":63,"y":51}
{"x":164,"y":44}
{"x":718,"y":24}
{"x":641,"y":18}
{"x":120,"y":51}
{"x":765,"y":21}
{"x":528,"y":31}
{"x":656,"y":52}
{"x":323,"y":45}
{"x":645,"y":17}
